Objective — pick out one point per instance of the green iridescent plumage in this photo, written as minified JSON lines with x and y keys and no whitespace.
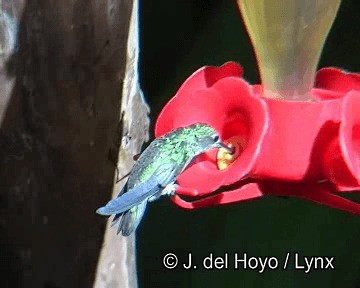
{"x":177,"y":147}
{"x":155,"y":172}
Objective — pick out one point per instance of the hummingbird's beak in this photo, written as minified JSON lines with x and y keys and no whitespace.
{"x":222,"y":145}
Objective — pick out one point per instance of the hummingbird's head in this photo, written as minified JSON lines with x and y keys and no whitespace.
{"x":204,"y":138}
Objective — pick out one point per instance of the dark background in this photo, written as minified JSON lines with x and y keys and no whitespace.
{"x":178,"y":37}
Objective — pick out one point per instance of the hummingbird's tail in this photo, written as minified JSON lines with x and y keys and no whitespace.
{"x":130,"y":219}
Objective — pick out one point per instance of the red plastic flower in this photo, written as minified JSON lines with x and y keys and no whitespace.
{"x":201,"y":99}
{"x":301,"y":149}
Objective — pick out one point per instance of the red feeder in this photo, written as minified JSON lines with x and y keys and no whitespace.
{"x":301,"y":149}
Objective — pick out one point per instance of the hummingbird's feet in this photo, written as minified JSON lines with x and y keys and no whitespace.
{"x":169,"y":190}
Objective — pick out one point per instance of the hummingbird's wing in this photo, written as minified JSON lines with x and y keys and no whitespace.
{"x":167,"y":174}
{"x":131,"y":198}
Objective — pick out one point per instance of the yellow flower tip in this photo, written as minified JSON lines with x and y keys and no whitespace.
{"x":224,"y":157}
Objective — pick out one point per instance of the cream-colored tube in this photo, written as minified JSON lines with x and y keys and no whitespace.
{"x":288,"y":37}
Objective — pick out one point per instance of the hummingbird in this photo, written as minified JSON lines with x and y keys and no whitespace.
{"x":154,"y":174}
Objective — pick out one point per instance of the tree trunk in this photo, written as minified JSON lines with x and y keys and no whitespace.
{"x":68,"y":93}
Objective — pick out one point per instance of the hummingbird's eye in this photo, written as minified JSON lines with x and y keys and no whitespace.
{"x":216,"y":138}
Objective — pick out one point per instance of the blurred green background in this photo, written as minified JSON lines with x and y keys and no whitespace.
{"x":177,"y":38}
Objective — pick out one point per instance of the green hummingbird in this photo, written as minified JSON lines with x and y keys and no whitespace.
{"x":155,"y":172}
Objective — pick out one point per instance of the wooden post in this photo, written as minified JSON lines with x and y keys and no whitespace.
{"x":69,"y":99}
